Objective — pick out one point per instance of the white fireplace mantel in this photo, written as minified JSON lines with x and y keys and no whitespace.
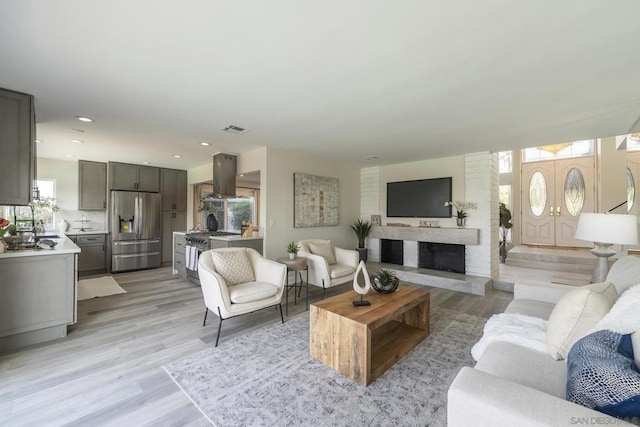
{"x":457,"y":236}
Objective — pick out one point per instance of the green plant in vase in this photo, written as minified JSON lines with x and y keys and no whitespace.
{"x":385,"y":281}
{"x":361,"y":228}
{"x":293,"y":249}
{"x":505,"y":226}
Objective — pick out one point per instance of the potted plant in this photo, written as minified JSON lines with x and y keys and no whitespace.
{"x":461,"y":210}
{"x":293,"y":249}
{"x":385,"y":281}
{"x":361,"y":228}
{"x":505,"y":226}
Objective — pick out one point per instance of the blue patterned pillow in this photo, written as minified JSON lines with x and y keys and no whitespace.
{"x":601,"y":374}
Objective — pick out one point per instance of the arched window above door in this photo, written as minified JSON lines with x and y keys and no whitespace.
{"x":558,"y":151}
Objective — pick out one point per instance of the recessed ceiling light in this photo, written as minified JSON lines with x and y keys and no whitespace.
{"x":177,"y":156}
{"x":84,"y":119}
{"x":371,"y":158}
{"x":39,"y":141}
{"x":77,"y":130}
{"x":206,"y":144}
{"x":69,"y":155}
{"x":77,"y":141}
{"x":146,"y":163}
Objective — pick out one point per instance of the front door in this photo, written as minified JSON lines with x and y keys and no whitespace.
{"x":554,"y":193}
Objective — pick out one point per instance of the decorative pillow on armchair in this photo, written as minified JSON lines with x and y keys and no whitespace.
{"x":234,"y":266}
{"x":324,"y":249}
{"x":601,"y":374}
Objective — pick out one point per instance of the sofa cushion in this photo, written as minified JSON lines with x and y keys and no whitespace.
{"x":624,"y":316}
{"x":324,"y":249}
{"x":529,"y":307}
{"x":601,"y":374}
{"x":234,"y":266}
{"x":625,"y":273}
{"x":251,"y":291}
{"x":524,"y":366}
{"x":576,"y":314}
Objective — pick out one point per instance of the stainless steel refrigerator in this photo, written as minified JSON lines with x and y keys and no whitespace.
{"x":135,"y":230}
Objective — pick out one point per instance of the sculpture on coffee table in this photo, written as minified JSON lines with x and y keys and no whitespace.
{"x":362,"y":290}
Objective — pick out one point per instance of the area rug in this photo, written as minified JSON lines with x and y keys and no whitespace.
{"x":98,"y":287}
{"x":267,"y":377}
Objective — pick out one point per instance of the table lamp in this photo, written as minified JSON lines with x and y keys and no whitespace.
{"x":604,"y":230}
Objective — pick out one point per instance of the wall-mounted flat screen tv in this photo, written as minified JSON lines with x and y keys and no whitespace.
{"x":424,"y":198}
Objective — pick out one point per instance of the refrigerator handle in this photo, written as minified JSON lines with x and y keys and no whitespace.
{"x":138,"y":209}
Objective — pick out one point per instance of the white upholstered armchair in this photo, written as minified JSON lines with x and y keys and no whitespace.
{"x":238,"y":281}
{"x":328,"y":265}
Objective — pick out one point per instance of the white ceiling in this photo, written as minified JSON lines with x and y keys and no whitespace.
{"x":402,"y":81}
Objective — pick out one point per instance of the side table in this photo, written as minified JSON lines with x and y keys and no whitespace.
{"x":297,"y":265}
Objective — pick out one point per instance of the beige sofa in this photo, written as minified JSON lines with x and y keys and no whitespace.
{"x":514,"y":386}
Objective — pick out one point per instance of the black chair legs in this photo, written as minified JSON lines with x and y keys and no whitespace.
{"x":206,"y":311}
{"x":219,"y":326}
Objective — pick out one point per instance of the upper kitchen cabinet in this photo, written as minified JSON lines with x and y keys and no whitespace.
{"x":124,"y":176}
{"x":173,"y":184}
{"x":92,"y":186}
{"x":17,"y":139}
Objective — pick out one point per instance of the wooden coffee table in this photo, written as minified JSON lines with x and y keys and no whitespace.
{"x":363,"y":342}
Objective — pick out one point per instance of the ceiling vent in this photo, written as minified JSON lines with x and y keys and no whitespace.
{"x":234,"y":129}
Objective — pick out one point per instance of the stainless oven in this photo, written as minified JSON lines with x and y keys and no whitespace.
{"x":200,"y":241}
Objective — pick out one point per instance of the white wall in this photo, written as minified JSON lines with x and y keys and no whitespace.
{"x":65,"y":174}
{"x":279,"y":230}
{"x":481,"y":186}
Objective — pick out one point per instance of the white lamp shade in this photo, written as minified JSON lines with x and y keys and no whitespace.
{"x":608,"y":228}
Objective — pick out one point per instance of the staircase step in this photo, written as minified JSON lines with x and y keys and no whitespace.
{"x":571,"y":267}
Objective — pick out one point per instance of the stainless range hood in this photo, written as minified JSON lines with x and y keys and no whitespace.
{"x":224,"y":174}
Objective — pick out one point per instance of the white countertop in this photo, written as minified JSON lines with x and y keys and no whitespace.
{"x":64,"y":246}
{"x":234,"y":238}
{"x":224,"y":238}
{"x":80,"y":233}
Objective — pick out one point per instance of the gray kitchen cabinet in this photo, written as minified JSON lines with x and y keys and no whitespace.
{"x":173,"y":186}
{"x":92,"y":186}
{"x":125,"y":176}
{"x":37,"y":298}
{"x":239,"y":243}
{"x":93,"y":256}
{"x":17,"y":139}
{"x":179,"y":254}
{"x":171,"y":221}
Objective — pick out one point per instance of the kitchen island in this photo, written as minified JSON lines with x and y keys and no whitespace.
{"x":38,"y":294}
{"x":181,"y":240}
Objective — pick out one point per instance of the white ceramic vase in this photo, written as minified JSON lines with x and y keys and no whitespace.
{"x":63,"y":226}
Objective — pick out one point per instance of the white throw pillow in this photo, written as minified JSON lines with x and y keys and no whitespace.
{"x":324,"y":249}
{"x":234,"y":266}
{"x":575,"y":315}
{"x":624,"y":316}
{"x":624,"y":273}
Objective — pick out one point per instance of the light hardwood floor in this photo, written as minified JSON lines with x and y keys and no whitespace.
{"x":108,"y":370}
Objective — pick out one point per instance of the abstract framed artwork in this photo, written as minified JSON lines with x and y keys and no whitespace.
{"x":316,"y":200}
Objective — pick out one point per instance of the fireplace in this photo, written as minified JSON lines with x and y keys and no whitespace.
{"x":392,"y":251}
{"x":441,"y":256}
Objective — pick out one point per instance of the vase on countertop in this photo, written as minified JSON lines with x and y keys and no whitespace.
{"x":461,"y":222}
{"x":63,"y":226}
